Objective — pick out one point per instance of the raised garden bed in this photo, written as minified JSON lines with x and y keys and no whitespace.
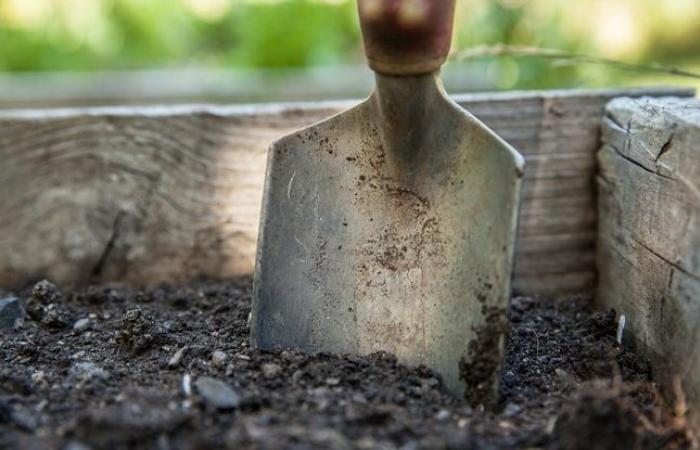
{"x":141,"y":196}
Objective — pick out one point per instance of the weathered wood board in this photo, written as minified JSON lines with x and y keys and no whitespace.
{"x":145,"y":195}
{"x":649,"y":231}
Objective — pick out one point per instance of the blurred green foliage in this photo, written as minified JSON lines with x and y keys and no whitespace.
{"x":78,"y":35}
{"x":130,"y":34}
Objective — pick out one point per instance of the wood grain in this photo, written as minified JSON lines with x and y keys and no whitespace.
{"x":649,"y":231}
{"x":144,"y":195}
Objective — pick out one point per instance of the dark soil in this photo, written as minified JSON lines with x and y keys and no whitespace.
{"x":479,"y":368}
{"x":171,"y":368}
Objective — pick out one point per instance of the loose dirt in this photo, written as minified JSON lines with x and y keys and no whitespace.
{"x":170,"y":368}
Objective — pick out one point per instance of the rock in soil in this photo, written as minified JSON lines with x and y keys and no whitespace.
{"x":81,"y":325}
{"x":87,"y":371}
{"x":271,"y":370}
{"x":218,"y":359}
{"x":177,"y":357}
{"x":565,"y":382}
{"x":217,"y":393}
{"x":10,"y":312}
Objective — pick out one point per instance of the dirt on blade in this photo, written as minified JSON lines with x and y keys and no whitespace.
{"x":170,"y":368}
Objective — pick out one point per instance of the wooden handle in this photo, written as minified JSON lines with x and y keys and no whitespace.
{"x":406,"y":37}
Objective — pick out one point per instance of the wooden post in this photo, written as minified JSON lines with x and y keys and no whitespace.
{"x":649,"y":231}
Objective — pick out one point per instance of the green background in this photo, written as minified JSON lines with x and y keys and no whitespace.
{"x":92,"y":35}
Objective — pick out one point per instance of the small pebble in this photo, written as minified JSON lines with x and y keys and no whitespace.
{"x":77,"y":355}
{"x":620,"y":329}
{"x":81,"y":325}
{"x":39,"y":377}
{"x":218,"y":359}
{"x":87,"y":371}
{"x":177,"y":357}
{"x":217,"y":393}
{"x":442,"y":415}
{"x":512,"y":410}
{"x":187,"y":384}
{"x":10,"y":311}
{"x":332,"y":381}
{"x":271,"y":370}
{"x":297,"y":376}
{"x":170,"y":325}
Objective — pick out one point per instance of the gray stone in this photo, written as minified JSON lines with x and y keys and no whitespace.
{"x":24,"y":420}
{"x":271,"y":370}
{"x":39,"y":377}
{"x":218,"y":359}
{"x":81,"y":325}
{"x":217,"y":393}
{"x":512,"y":410}
{"x":187,"y":384}
{"x":10,"y":311}
{"x":87,"y":371}
{"x":442,"y":415}
{"x":177,"y":357}
{"x":171,"y":326}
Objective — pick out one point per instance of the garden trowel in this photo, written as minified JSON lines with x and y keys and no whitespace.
{"x":390,"y":227}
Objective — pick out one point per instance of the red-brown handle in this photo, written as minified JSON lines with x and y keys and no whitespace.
{"x":406,"y":37}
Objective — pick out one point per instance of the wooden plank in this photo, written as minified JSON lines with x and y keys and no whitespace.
{"x":550,"y":285}
{"x":145,"y":195}
{"x":649,"y":231}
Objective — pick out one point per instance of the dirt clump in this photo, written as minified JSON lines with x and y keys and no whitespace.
{"x":628,"y":416}
{"x":141,"y":332}
{"x":480,"y":367}
{"x":45,"y":306}
{"x":143,"y":375}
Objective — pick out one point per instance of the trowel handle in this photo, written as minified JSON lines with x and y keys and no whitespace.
{"x":406,"y":37}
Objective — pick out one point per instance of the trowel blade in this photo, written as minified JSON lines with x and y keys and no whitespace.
{"x":367,"y":247}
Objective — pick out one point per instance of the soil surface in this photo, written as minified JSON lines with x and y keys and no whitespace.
{"x":171,"y":368}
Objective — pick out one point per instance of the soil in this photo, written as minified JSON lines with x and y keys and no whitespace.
{"x":479,"y":368}
{"x":171,"y":368}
